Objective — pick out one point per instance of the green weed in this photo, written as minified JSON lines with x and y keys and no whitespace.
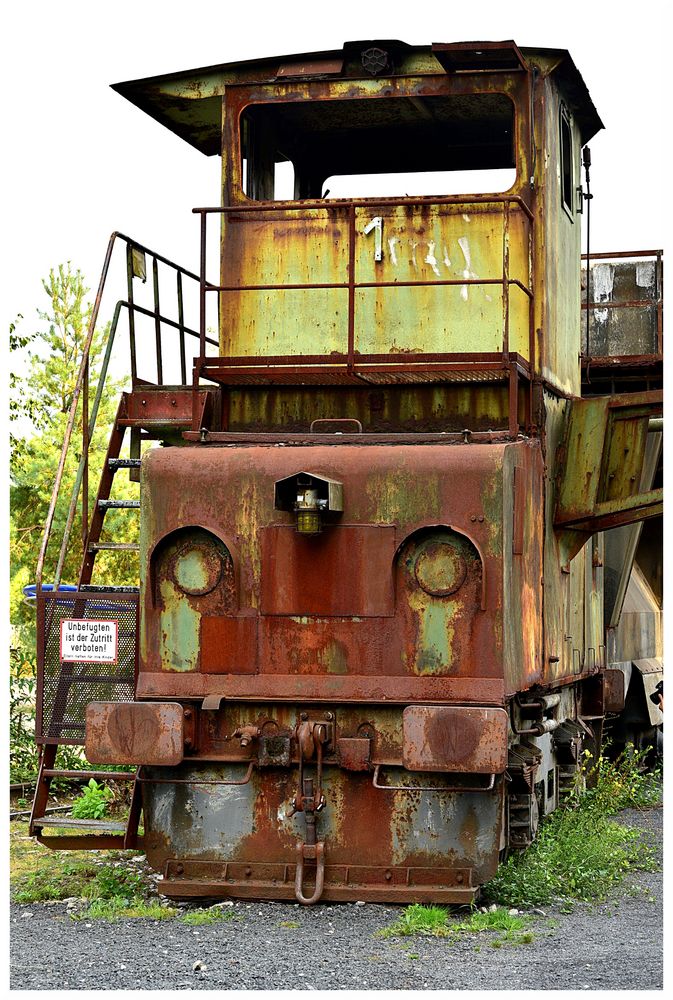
{"x":93,"y":802}
{"x":112,"y":882}
{"x":417,"y":919}
{"x":120,"y":908}
{"x":213,"y":915}
{"x":581,"y":853}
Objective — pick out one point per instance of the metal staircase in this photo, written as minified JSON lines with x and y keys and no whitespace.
{"x":149,"y":412}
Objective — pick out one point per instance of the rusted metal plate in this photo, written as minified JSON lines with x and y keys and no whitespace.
{"x":343,"y":883}
{"x":311,"y":67}
{"x":346,"y":570}
{"x":134,"y":733}
{"x":652,"y":671}
{"x":613,"y":690}
{"x":601,"y":463}
{"x":453,"y":738}
{"x":367,"y":605}
{"x":229,"y":645}
{"x":354,"y":753}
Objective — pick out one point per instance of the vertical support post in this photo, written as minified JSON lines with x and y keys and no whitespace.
{"x":85,"y":456}
{"x":202,"y":290}
{"x":513,"y":401}
{"x":505,"y":280}
{"x":659,"y":291}
{"x":157,"y":320}
{"x":351,"y":287}
{"x":132,"y":315}
{"x":181,"y":326}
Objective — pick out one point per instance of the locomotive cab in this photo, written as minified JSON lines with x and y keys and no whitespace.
{"x":370,"y":620}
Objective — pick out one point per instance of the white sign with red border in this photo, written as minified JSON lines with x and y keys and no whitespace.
{"x":88,"y":641}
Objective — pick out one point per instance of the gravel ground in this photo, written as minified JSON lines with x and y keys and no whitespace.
{"x":614,"y":945}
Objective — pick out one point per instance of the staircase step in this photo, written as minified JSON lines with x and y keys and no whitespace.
{"x":167,"y":422}
{"x":123,"y":463}
{"x":119,"y":504}
{"x":114,"y":547}
{"x":83,"y":824}
{"x":100,"y":589}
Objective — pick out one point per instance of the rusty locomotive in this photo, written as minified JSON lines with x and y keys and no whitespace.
{"x":398,"y":552}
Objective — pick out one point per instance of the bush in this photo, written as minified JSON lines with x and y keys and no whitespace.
{"x":580,"y":852}
{"x":93,"y":802}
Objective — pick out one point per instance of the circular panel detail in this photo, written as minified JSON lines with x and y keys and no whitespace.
{"x":440,"y":569}
{"x":197,"y":569}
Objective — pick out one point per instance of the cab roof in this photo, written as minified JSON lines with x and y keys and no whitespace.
{"x":189,"y":102}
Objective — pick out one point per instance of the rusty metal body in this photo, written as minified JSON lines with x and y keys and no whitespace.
{"x":370,"y":637}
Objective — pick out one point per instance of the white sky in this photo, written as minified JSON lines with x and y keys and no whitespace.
{"x":80,"y":161}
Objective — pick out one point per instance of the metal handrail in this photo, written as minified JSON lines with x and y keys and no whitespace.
{"x":657,"y":302}
{"x":506,"y":201}
{"x":81,"y":390}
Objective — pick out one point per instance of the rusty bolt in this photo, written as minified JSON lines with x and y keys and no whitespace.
{"x":144,"y":402}
{"x":481,"y":518}
{"x":473,"y":518}
{"x":179,"y":869}
{"x":303,"y":716}
{"x":248,"y":870}
{"x":188,"y":713}
{"x":388,"y":876}
{"x":459,"y":878}
{"x":173,"y":403}
{"x":329,"y":716}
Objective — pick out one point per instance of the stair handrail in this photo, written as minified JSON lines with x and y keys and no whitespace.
{"x":88,"y":424}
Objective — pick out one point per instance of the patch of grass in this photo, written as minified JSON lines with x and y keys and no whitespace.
{"x":417,"y":919}
{"x":289,"y":925}
{"x":120,"y":908}
{"x":212,"y":915}
{"x":434,"y":921}
{"x":581,"y":853}
{"x":38,"y":873}
{"x":492,"y":920}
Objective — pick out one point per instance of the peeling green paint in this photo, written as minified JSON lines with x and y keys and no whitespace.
{"x":397,"y":495}
{"x":179,"y":626}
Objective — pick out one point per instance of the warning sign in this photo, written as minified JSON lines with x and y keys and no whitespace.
{"x":88,"y":641}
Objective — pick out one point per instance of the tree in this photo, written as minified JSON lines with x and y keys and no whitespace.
{"x":42,"y":384}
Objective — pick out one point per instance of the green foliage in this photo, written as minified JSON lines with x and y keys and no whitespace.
{"x":121,"y":908}
{"x":23,"y":755}
{"x":116,"y":882}
{"x":93,"y":802}
{"x":58,"y":880}
{"x":580,"y":853}
{"x":212,"y":915}
{"x":434,"y":921}
{"x":44,"y":368}
{"x":430,"y":921}
{"x":44,"y":362}
{"x":499,"y":919}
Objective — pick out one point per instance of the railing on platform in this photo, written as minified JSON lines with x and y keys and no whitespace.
{"x":349,"y":357}
{"x":136,"y":266}
{"x":623,"y":306}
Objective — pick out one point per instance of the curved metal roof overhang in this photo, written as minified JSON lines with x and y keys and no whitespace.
{"x":189,"y":102}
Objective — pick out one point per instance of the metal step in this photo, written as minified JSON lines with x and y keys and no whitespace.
{"x":82,"y":824}
{"x":123,"y":463}
{"x":97,"y":588}
{"x":114,"y":547}
{"x":119,"y":504}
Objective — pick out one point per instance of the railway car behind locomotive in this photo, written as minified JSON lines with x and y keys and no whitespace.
{"x":370,"y":640}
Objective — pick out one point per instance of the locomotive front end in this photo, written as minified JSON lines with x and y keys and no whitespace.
{"x":342,"y":692}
